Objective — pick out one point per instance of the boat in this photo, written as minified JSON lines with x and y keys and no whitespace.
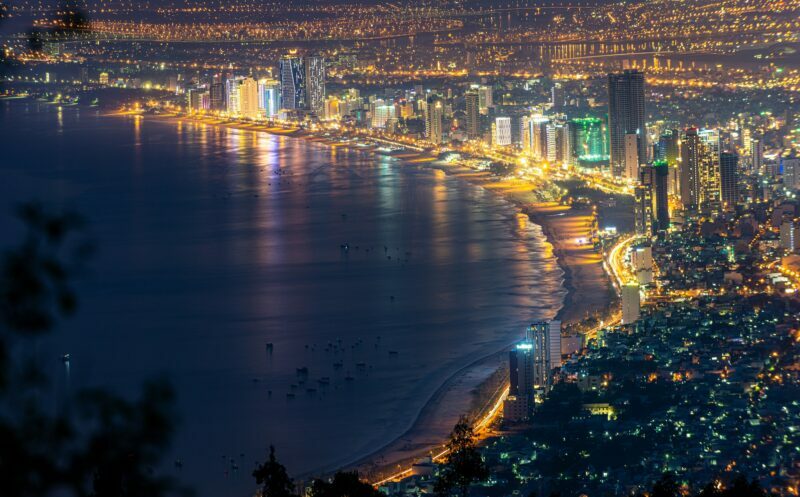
{"x":65,"y":358}
{"x":302,"y":371}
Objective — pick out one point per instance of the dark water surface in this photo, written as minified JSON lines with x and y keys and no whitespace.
{"x":214,"y":242}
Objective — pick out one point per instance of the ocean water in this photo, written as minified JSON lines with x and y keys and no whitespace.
{"x":214,"y":242}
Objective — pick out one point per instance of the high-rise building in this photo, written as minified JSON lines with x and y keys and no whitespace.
{"x":790,"y":165}
{"x":642,"y":262}
{"x":434,"y":114}
{"x":660,"y":181}
{"x":669,"y":150}
{"x":198,"y":99}
{"x":485,"y":99}
{"x":626,"y":116}
{"x":546,"y":339}
{"x":691,"y":152}
{"x":589,"y":138}
{"x":790,"y":234}
{"x":473,"y":115}
{"x":729,"y":179}
{"x":557,"y":96}
{"x":520,"y":393}
{"x":381,"y":112}
{"x":293,"y":83}
{"x":643,"y":206}
{"x":502,"y":131}
{"x":103,"y":78}
{"x":217,"y":93}
{"x":710,"y":185}
{"x":315,"y":83}
{"x":248,"y":98}
{"x":631,"y":303}
{"x":269,"y":98}
{"x":756,"y":154}
{"x":232,"y":103}
{"x":632,"y":163}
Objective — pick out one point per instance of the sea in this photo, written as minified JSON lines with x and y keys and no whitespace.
{"x":294,"y":294}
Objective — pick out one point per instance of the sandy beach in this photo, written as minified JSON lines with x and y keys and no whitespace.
{"x":479,"y":384}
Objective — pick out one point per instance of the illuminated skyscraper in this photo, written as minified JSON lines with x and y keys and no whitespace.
{"x":729,"y":179}
{"x":315,"y":83}
{"x":269,"y":97}
{"x":485,"y":99}
{"x":232,"y":95}
{"x":756,"y":154}
{"x":502,"y":131}
{"x":473,"y":115}
{"x":631,"y":303}
{"x":381,"y":112}
{"x":545,"y":336}
{"x":691,"y":152}
{"x":643,"y":207}
{"x":217,"y":93}
{"x":293,"y":83}
{"x":626,"y":116}
{"x":557,"y":96}
{"x":589,"y":139}
{"x":710,"y":181}
{"x":248,"y":98}
{"x":669,"y":151}
{"x":434,"y":114}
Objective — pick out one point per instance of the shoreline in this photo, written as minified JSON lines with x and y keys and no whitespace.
{"x":457,"y":394}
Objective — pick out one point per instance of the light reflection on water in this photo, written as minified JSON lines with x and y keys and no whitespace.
{"x":214,"y":242}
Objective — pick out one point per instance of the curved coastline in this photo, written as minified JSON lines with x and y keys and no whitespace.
{"x":429,"y":418}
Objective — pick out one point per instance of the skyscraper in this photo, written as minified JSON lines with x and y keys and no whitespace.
{"x":502,"y":131}
{"x":669,"y":150}
{"x":434,"y":114}
{"x":293,"y":83}
{"x":557,"y":96}
{"x":545,"y":336}
{"x":631,"y":303}
{"x":660,"y":180}
{"x":315,"y":84}
{"x":626,"y":116}
{"x":643,"y":198}
{"x":485,"y":99}
{"x":589,"y":138}
{"x":691,"y":150}
{"x":217,"y":93}
{"x":269,"y":97}
{"x":710,"y":186}
{"x":473,"y":114}
{"x":232,"y":94}
{"x":248,"y":98}
{"x":729,"y":179}
{"x":756,"y":154}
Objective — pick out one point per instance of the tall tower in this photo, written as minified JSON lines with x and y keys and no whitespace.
{"x":626,"y":116}
{"x":248,"y":98}
{"x":545,"y":336}
{"x":217,"y":92}
{"x":756,"y":154}
{"x":710,"y":187}
{"x":473,"y":114}
{"x":293,"y":82}
{"x":315,"y":84}
{"x":660,"y":177}
{"x":729,"y":179}
{"x":434,"y":114}
{"x":691,"y":151}
{"x":643,"y":208}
